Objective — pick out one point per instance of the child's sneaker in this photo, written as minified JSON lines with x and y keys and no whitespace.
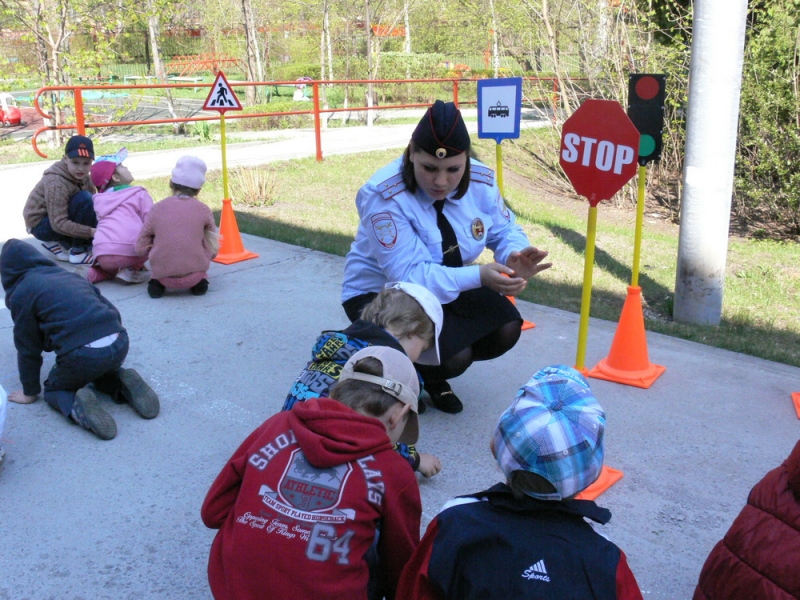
{"x":59,"y":250}
{"x":138,"y":394}
{"x":80,"y":256}
{"x":132,"y":275}
{"x":88,"y":413}
{"x":155,"y":289}
{"x":200,"y":288}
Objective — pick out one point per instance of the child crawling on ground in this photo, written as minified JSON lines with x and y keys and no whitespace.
{"x":404,"y":316}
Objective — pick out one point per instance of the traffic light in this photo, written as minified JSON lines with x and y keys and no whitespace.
{"x":646,"y":110}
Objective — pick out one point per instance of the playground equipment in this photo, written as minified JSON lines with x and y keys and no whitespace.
{"x":9,"y":111}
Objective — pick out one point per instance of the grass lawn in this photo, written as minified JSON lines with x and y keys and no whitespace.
{"x":311,"y":204}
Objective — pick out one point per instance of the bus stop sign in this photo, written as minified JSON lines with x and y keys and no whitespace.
{"x":599,"y":149}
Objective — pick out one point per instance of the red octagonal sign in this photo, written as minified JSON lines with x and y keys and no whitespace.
{"x":599,"y":147}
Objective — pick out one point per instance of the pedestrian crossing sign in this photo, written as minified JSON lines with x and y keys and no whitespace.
{"x":221,"y":96}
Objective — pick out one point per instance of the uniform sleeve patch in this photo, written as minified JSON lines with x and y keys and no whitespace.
{"x":385,"y":230}
{"x":501,"y":205}
{"x":481,"y":174}
{"x":392,"y":186}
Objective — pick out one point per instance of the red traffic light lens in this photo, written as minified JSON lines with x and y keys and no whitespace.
{"x":647,"y":88}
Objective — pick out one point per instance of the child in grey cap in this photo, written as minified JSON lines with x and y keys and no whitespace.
{"x":528,"y":537}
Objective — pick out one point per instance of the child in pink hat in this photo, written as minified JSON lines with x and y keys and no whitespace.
{"x":121,"y":209}
{"x":178,"y":234}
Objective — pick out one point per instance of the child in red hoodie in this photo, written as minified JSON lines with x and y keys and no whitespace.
{"x":299,"y":503}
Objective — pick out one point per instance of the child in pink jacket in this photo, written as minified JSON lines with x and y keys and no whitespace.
{"x":175,"y":236}
{"x":121,"y":209}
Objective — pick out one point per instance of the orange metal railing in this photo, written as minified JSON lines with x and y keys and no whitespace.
{"x":81,"y":125}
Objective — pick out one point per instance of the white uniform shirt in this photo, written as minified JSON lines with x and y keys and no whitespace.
{"x":398,"y":239}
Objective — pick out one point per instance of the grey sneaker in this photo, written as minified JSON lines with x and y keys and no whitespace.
{"x":131,"y":275}
{"x":2,"y":455}
{"x":138,"y":394}
{"x":88,"y":413}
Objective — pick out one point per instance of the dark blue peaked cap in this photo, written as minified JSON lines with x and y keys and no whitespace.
{"x":442,"y":132}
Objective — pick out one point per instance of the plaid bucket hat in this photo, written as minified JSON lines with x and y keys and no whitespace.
{"x":554,"y":428}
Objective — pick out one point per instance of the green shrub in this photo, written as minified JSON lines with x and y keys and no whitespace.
{"x":274,"y":122}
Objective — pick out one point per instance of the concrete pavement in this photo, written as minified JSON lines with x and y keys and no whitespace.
{"x":81,"y":518}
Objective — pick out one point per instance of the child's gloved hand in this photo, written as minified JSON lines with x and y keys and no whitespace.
{"x":429,"y":465}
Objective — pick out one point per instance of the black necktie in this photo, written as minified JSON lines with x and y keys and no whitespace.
{"x":451,"y":255}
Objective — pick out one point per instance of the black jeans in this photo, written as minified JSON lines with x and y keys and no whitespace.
{"x":81,"y":210}
{"x":81,"y":367}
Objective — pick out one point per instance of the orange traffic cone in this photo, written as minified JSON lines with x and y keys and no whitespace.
{"x":627,"y":362}
{"x":231,"y":249}
{"x":796,"y":400}
{"x":608,"y":477}
{"x":525,"y":324}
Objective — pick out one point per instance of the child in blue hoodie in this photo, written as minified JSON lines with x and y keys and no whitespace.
{"x":57,"y":311}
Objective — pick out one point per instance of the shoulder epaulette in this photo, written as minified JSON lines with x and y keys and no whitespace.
{"x":481,"y":173}
{"x":392,"y":186}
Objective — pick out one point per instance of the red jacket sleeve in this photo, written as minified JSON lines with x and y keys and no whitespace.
{"x":225,"y":489}
{"x":400,"y":526}
{"x":627,"y":588}
{"x":414,"y":582}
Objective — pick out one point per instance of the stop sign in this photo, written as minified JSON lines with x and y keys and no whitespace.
{"x":599,"y":148}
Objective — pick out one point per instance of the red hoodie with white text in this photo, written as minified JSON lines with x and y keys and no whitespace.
{"x":298,"y":504}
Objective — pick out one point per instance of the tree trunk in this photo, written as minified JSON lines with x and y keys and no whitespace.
{"x":255,"y":71}
{"x":495,"y":45}
{"x":553,"y":45}
{"x":153,"y":30}
{"x":368,"y":27}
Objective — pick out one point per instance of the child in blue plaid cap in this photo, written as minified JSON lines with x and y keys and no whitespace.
{"x":529,"y":537}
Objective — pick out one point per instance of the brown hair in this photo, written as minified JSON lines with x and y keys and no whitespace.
{"x":182,"y":190}
{"x":524,"y":482}
{"x":363,"y":396}
{"x":411,"y":181}
{"x":394,"y":309}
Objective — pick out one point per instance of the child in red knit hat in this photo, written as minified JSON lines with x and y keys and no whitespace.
{"x":178,"y":234}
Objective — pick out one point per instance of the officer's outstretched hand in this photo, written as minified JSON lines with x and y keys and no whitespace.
{"x":500,"y":278}
{"x":528,"y":262}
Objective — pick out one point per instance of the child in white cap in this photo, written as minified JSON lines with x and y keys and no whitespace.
{"x":121,"y":209}
{"x":174,"y":234}
{"x":529,"y":538}
{"x":404,"y":316}
{"x":299,"y":503}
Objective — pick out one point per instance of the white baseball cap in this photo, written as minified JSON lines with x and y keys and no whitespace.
{"x":433,"y":308}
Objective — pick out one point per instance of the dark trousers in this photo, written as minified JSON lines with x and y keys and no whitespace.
{"x":81,"y":367}
{"x":81,"y":210}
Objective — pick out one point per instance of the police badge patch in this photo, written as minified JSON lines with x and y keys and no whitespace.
{"x":384,"y":229}
{"x":478,"y":229}
{"x":501,"y":204}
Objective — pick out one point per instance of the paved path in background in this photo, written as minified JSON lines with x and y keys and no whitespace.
{"x":81,"y":518}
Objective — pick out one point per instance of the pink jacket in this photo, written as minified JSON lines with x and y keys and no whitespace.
{"x":120,"y":216}
{"x":173,"y":237}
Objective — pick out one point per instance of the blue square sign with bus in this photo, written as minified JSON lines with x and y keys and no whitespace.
{"x":499,"y":108}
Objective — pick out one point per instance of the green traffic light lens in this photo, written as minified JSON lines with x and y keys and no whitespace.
{"x":647,"y":145}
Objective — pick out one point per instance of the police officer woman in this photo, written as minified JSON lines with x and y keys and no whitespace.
{"x":425,"y":218}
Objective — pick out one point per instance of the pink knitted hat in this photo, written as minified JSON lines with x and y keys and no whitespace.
{"x":189,"y":171}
